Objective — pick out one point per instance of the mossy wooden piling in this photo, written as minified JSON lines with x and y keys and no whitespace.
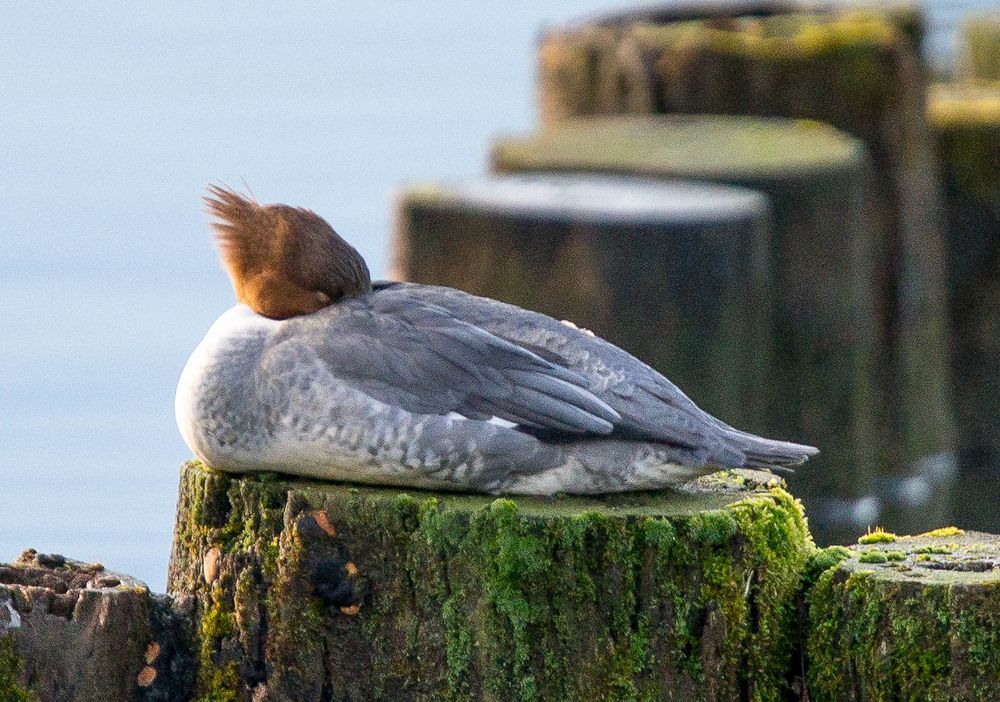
{"x":76,"y":632}
{"x":860,"y":73}
{"x":966,"y":121}
{"x":821,"y":387}
{"x":675,"y":273}
{"x":979,"y":49}
{"x":906,"y":618}
{"x":313,"y":591}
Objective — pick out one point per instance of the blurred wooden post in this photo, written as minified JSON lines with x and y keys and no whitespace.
{"x":858,"y":72}
{"x":821,"y":384}
{"x":675,"y":273}
{"x":967,"y":123}
{"x":979,"y":49}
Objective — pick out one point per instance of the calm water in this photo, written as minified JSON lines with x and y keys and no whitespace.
{"x":111,"y":122}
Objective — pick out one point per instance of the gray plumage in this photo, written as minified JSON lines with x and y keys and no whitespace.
{"x":425,"y":386}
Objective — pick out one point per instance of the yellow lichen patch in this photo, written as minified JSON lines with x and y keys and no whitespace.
{"x":877,"y":536}
{"x":944,"y":531}
{"x":152,"y":653}
{"x":351,"y":610}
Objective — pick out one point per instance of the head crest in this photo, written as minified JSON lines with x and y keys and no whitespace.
{"x":283,"y":260}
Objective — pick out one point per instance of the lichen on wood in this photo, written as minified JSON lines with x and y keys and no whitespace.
{"x":907,"y":618}
{"x":326,"y":591}
{"x":72,"y":631}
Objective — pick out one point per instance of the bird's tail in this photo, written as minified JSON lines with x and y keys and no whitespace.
{"x":769,"y":453}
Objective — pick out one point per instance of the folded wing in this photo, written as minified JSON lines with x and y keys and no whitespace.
{"x":648,"y":406}
{"x":416,"y":355}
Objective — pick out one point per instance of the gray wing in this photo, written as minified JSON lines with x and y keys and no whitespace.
{"x":413,"y":354}
{"x":650,"y":407}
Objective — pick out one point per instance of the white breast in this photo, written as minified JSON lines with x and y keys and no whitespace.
{"x":218,"y":353}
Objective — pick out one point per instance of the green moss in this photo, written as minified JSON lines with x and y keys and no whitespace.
{"x":770,"y":524}
{"x":872,"y":555}
{"x":820,"y":561}
{"x":216,"y":683}
{"x":745,"y":150}
{"x":980,"y":48}
{"x":10,"y":668}
{"x":934,"y":548}
{"x":942,"y":533}
{"x":877,"y":537}
{"x":882,"y":625}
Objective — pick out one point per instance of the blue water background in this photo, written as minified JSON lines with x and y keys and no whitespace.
{"x":113,"y":118}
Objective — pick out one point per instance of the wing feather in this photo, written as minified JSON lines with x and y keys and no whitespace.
{"x":418,"y":356}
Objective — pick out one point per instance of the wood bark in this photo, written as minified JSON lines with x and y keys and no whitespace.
{"x":75,"y":632}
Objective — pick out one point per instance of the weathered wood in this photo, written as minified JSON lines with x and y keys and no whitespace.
{"x":859,"y":73}
{"x":966,"y":121}
{"x":906,"y":618}
{"x":979,"y":49}
{"x":819,"y":384}
{"x":604,"y":64}
{"x":616,"y":257}
{"x":312,"y":591}
{"x":75,"y":632}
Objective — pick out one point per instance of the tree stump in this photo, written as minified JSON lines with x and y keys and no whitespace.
{"x":820,"y":384}
{"x":616,"y":257}
{"x":979,"y":49}
{"x":316,"y":591}
{"x":860,"y":73}
{"x":966,"y":121}
{"x":906,"y":618}
{"x":75,"y":632}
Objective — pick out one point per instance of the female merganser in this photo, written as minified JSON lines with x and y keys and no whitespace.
{"x":321,"y":373}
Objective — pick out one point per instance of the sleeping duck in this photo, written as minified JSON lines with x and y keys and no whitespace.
{"x":320,"y":372}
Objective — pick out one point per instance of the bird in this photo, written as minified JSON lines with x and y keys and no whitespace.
{"x":321,"y":373}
